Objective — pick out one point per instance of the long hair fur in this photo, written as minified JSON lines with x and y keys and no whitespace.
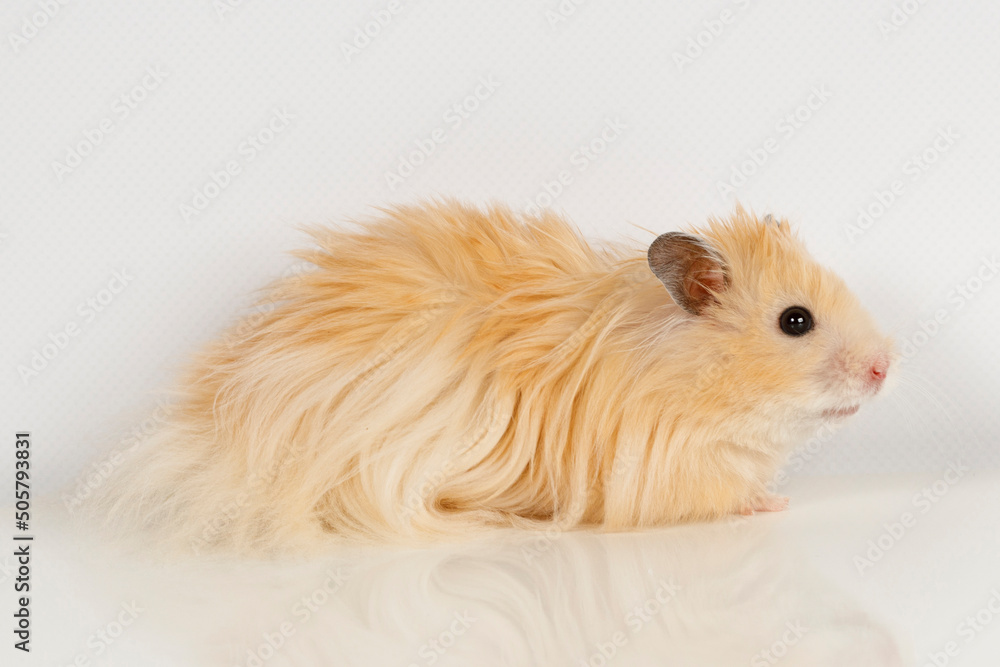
{"x":443,"y":369}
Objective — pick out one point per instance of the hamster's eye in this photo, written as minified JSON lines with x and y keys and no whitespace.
{"x":796,"y":321}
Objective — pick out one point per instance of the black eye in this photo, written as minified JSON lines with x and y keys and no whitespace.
{"x":796,"y":321}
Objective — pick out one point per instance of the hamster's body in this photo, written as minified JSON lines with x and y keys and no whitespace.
{"x":447,"y":368}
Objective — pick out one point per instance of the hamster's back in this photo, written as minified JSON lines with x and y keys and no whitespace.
{"x":384,"y":393}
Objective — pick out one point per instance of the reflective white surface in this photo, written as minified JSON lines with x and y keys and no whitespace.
{"x":804,"y":587}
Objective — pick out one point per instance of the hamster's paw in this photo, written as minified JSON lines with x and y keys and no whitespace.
{"x":766,"y":503}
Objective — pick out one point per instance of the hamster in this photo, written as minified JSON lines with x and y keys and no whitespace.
{"x":448,"y":368}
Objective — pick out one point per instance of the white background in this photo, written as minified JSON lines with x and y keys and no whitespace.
{"x":687,"y":124}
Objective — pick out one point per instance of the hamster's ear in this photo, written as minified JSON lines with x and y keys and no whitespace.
{"x":690,"y":268}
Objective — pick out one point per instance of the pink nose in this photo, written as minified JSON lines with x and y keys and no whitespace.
{"x":878,"y":370}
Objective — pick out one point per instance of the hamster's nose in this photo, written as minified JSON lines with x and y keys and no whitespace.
{"x":878,"y":370}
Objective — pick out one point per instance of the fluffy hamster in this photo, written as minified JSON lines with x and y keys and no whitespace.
{"x":447,"y":368}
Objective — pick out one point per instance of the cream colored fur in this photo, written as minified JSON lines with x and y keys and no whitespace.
{"x":449,"y":368}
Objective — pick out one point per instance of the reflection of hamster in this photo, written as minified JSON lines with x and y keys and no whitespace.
{"x":447,"y":368}
{"x":720,"y":594}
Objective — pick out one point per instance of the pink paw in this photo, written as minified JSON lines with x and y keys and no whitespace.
{"x":766,"y":503}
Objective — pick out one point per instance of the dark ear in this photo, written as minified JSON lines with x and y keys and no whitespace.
{"x":691,"y":270}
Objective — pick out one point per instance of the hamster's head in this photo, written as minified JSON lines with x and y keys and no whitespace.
{"x":773,"y":329}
